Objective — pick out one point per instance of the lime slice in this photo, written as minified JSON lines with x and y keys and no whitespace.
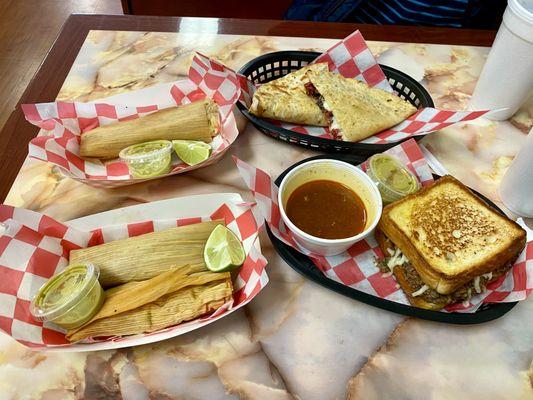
{"x":223,"y":250}
{"x":191,"y":151}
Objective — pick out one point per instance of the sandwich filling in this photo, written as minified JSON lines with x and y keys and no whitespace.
{"x":334,"y":127}
{"x":397,"y":263}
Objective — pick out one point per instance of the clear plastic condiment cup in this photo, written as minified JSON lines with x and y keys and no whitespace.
{"x":392,"y":178}
{"x":70,"y":298}
{"x":149,"y":159}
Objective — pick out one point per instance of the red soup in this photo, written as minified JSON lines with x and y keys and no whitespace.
{"x":327,"y":209}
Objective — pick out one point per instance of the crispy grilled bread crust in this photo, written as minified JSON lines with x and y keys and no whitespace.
{"x":443,"y":281}
{"x":407,"y":287}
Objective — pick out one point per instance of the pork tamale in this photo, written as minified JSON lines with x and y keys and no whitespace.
{"x":198,"y":120}
{"x":168,"y":310}
{"x":132,"y":295}
{"x":145,"y":256}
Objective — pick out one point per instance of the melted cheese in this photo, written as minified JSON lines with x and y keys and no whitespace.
{"x":476,"y":284}
{"x":420,"y":291}
{"x":396,"y":259}
{"x":334,"y":123}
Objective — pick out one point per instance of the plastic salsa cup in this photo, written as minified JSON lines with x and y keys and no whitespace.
{"x":70,"y":298}
{"x":393,"y":179}
{"x":149,"y":159}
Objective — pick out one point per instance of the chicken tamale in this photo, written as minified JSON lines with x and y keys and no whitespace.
{"x":170,"y":298}
{"x":145,"y":256}
{"x":198,"y":120}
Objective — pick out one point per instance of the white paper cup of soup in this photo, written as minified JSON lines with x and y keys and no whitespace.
{"x":317,"y":204}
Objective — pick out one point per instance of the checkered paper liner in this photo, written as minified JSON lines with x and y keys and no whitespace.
{"x":357,"y":268}
{"x":352,"y":58}
{"x":34,"y":247}
{"x":64,"y":122}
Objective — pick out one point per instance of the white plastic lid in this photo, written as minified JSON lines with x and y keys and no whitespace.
{"x":518,"y":18}
{"x":522,"y":8}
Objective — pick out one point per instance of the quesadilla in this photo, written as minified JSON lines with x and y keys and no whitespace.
{"x":354,"y":110}
{"x":285,"y":99}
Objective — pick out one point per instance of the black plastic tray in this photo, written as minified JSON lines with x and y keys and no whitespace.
{"x":277,"y":64}
{"x":303,"y":265}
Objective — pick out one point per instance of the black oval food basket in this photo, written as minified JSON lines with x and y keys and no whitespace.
{"x":275,"y":65}
{"x":305,"y":266}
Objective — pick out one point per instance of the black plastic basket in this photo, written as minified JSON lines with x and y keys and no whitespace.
{"x":305,"y":266}
{"x":275,"y":65}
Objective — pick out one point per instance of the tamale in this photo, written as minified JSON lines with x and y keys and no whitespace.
{"x":132,"y":295}
{"x":169,"y":310}
{"x":145,"y":256}
{"x":194,"y":121}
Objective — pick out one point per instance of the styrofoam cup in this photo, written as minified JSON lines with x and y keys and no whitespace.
{"x":507,"y":77}
{"x":516,"y":189}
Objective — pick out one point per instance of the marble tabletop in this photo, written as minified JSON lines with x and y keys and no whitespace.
{"x":295,"y":340}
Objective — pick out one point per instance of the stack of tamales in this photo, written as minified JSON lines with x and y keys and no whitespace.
{"x":162,"y":281}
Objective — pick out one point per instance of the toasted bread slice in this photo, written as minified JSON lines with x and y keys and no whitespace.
{"x":450,"y":235}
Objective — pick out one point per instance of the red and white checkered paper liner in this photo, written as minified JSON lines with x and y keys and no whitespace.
{"x":64,"y":122}
{"x":357,"y":268}
{"x":35,"y":247}
{"x":352,"y":58}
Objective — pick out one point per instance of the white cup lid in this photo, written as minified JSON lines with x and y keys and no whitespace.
{"x":523,"y":9}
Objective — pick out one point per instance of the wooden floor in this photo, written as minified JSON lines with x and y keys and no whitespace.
{"x":27,"y":30}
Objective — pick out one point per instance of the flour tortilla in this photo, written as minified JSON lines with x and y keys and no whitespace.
{"x":285,"y":99}
{"x":359,"y":111}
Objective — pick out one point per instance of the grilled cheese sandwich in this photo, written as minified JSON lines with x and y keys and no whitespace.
{"x":452,"y":243}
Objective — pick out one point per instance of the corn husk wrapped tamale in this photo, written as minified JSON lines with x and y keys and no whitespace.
{"x":145,"y":256}
{"x":119,"y":299}
{"x":194,"y":121}
{"x":168,"y":299}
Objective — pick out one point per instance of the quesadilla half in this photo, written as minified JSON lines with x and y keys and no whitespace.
{"x":285,"y":99}
{"x":354,"y":110}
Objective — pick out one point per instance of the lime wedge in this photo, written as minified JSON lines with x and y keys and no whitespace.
{"x":223,"y":250}
{"x":191,"y":151}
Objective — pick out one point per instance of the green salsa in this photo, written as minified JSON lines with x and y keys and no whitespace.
{"x":146,"y":160}
{"x":145,"y":148}
{"x":393,"y":179}
{"x":70,"y":298}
